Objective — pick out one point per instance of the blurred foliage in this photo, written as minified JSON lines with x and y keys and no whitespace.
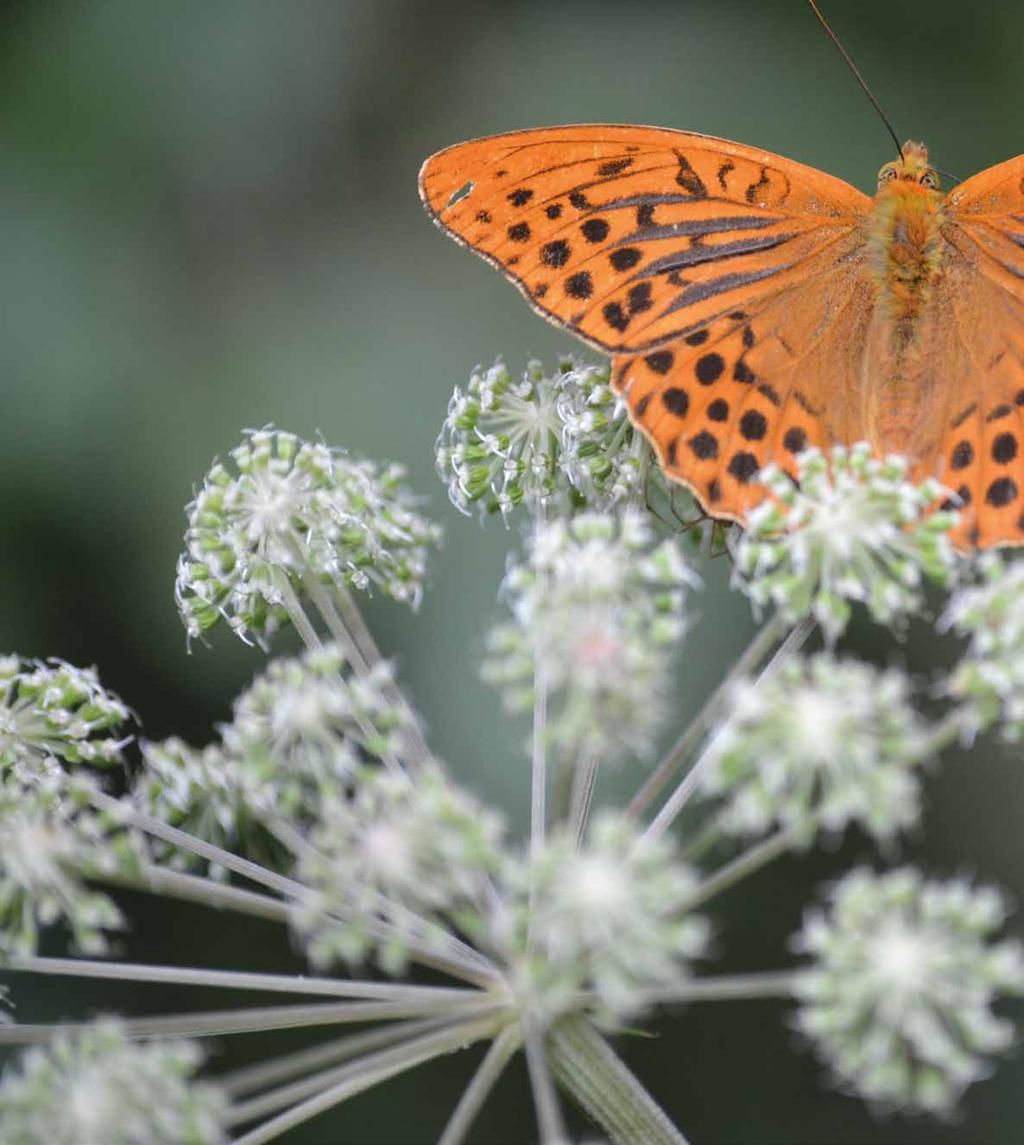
{"x":208,"y":220}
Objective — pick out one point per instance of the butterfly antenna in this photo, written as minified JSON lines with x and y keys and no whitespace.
{"x":860,"y":79}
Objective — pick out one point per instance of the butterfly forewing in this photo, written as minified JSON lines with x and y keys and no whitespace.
{"x":632,"y":236}
{"x":721,"y":276}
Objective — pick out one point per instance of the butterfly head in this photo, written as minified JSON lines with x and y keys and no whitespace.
{"x":911,"y":167}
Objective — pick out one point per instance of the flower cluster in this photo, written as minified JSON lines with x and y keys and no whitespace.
{"x":823,"y":741}
{"x":609,"y":917}
{"x":95,"y":1086}
{"x":557,"y":442}
{"x":288,"y":510}
{"x":853,"y":528}
{"x":596,"y":606}
{"x":46,"y":856}
{"x":391,"y":866}
{"x":53,"y":714}
{"x":298,"y":736}
{"x":989,"y":679}
{"x":897,"y":997}
{"x":52,"y":837}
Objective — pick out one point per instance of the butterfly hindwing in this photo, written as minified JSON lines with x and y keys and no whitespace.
{"x":754,"y":386}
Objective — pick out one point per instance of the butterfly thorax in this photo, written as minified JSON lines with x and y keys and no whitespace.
{"x":905,"y":255}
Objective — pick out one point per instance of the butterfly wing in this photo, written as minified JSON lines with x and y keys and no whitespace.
{"x":630,"y":236}
{"x":728,"y":281}
{"x":977,"y":333}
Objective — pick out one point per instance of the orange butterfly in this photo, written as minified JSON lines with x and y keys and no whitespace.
{"x":755,"y":306}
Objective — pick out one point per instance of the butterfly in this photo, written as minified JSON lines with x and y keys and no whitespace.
{"x":755,"y":307}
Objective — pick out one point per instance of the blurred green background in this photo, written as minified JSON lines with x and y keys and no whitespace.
{"x":209,"y":220}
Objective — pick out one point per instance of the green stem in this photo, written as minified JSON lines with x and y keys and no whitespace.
{"x":479,"y":1089}
{"x":254,"y":1078}
{"x":235,"y":980}
{"x":192,"y":888}
{"x":372,"y":1070}
{"x":726,"y":988}
{"x":758,"y":648}
{"x":749,"y":861}
{"x":584,"y":782}
{"x":218,"y":1023}
{"x":586,"y":1065}
{"x":545,"y":1098}
{"x":693,"y":778}
{"x":125,"y":813}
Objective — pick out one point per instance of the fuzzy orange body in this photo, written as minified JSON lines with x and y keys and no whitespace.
{"x":905,"y":250}
{"x":755,"y":306}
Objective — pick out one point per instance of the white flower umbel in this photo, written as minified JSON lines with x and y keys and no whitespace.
{"x":95,"y":1087}
{"x":555,"y":441}
{"x":823,"y":741}
{"x":283,"y":510}
{"x":46,"y":856}
{"x":897,"y":996}
{"x":210,"y":793}
{"x":989,"y":679}
{"x":308,"y":721}
{"x":55,"y":712}
{"x":609,"y":917}
{"x":299,"y":735}
{"x":392,"y":864}
{"x":597,"y":607}
{"x":854,"y":528}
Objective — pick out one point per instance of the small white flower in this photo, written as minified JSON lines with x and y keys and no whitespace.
{"x":288,"y":508}
{"x":853,"y":528}
{"x":55,"y":712}
{"x":555,"y":441}
{"x":95,"y":1087}
{"x":989,"y":680}
{"x":610,"y":917}
{"x":46,"y":856}
{"x":897,"y":996}
{"x":823,"y":740}
{"x":394,"y":861}
{"x":299,"y":735}
{"x":596,"y":607}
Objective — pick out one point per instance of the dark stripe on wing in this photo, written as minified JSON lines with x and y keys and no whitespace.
{"x":695,"y":255}
{"x":700,"y":291}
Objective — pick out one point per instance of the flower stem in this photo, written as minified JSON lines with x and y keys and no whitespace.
{"x":478,"y":1090}
{"x":218,"y":1023}
{"x":539,"y":770}
{"x":749,"y":861}
{"x":235,"y":980}
{"x":206,"y":892}
{"x":586,"y":1065}
{"x":545,"y":1099}
{"x":124,"y":812}
{"x":584,"y":782}
{"x":758,"y":648}
{"x":253,"y":1078}
{"x":691,"y":781}
{"x":726,"y":988}
{"x":372,"y":1070}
